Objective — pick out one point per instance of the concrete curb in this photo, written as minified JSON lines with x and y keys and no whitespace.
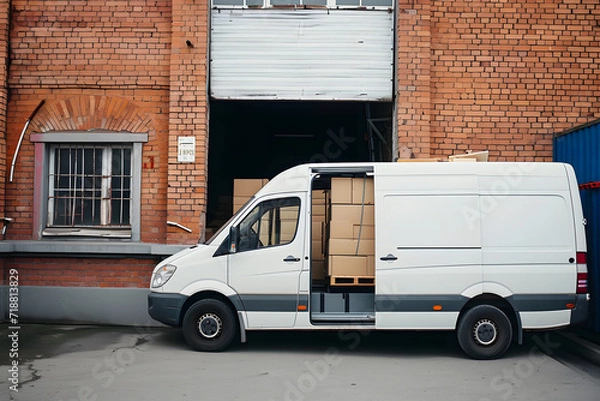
{"x":581,"y":346}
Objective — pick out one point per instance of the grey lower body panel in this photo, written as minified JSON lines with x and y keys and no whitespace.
{"x":82,"y":305}
{"x":579,"y":314}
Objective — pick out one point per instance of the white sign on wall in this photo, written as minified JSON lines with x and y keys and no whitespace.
{"x":186,"y":149}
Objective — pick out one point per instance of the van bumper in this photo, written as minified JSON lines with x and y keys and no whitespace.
{"x":579,"y":314}
{"x":166,"y":308}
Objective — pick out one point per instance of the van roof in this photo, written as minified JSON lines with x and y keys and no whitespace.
{"x":295,"y":178}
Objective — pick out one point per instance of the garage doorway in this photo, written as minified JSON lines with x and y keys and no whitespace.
{"x":259,"y":139}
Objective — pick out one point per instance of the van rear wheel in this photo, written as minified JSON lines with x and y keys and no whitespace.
{"x":484,"y":332}
{"x":209,"y":325}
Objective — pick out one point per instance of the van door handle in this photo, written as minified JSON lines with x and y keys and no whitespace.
{"x":388,"y":257}
{"x":291,"y":259}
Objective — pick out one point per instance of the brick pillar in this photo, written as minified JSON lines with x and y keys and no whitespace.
{"x":4,"y":162}
{"x":414,"y":78}
{"x":188,"y":116}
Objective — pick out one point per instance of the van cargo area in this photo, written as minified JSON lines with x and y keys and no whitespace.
{"x":343,"y":249}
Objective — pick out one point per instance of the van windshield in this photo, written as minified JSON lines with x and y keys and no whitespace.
{"x":216,"y":234}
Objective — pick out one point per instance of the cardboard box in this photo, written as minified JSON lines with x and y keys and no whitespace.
{"x":319,"y":208}
{"x":289,"y":213}
{"x":318,"y":269}
{"x":360,"y":184}
{"x":349,"y":247}
{"x":367,"y":231}
{"x":341,"y":229}
{"x":238,"y":202}
{"x":317,"y":231}
{"x":349,"y":191}
{"x":288,"y":231}
{"x":371,"y":265}
{"x":318,"y":240}
{"x":248,"y":186}
{"x":318,"y":194}
{"x":317,"y":250}
{"x":319,"y":211}
{"x":425,"y":160}
{"x":351,"y":265}
{"x":353,"y":213}
{"x":244,"y":189}
{"x":347,"y":230}
{"x":341,"y":190}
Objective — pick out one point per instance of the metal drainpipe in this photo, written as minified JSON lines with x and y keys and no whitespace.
{"x":14,"y":161}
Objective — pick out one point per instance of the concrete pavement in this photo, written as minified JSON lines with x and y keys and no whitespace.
{"x":91,"y":363}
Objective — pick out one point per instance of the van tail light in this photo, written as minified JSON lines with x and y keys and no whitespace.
{"x":582,"y":283}
{"x":582,"y":276}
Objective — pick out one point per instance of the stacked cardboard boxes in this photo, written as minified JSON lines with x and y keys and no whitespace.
{"x":288,"y":216}
{"x":244,"y":189}
{"x":351,"y":228}
{"x":319,"y":211}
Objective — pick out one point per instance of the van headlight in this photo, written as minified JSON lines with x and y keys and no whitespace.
{"x":162,"y":275}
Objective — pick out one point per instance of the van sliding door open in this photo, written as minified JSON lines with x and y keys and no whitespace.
{"x":343,"y":247}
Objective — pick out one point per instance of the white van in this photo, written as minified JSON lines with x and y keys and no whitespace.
{"x":486,"y":249}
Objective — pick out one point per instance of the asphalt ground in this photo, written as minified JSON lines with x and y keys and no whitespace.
{"x":96,"y":363}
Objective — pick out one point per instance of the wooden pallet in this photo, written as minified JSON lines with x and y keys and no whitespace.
{"x":352,"y":280}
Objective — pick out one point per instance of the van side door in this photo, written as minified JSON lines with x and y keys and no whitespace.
{"x":428,"y":249}
{"x":265,"y":269}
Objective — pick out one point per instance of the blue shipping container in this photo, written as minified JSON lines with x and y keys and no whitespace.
{"x":580,"y":147}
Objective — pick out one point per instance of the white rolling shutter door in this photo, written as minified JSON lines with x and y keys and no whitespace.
{"x":301,"y":54}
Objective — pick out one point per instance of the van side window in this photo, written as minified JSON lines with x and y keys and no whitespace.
{"x":270,"y":223}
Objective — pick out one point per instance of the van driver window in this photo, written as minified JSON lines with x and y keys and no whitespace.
{"x":270,"y":223}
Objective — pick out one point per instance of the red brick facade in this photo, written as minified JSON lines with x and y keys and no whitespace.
{"x":498,"y":75}
{"x":83,"y":272}
{"x":188,"y":110}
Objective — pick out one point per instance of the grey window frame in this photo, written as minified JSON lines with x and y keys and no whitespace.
{"x":43,"y":144}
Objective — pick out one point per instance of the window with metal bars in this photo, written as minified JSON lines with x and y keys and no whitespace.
{"x":90,"y":185}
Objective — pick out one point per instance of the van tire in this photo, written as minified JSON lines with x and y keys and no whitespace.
{"x":484,"y":332}
{"x":209,"y":325}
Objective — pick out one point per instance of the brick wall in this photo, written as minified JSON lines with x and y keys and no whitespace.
{"x":413,"y":62}
{"x":500,"y":75}
{"x":90,"y":44}
{"x":188,"y":114}
{"x":4,"y":162}
{"x":504,"y":75}
{"x":80,"y":272}
{"x":98,"y":65}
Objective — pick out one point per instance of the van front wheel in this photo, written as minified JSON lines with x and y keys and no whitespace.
{"x":209,"y":325}
{"x":484,"y":332}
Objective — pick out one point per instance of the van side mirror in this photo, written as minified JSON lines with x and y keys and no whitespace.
{"x":234,"y":235}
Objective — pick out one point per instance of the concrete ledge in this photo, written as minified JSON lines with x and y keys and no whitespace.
{"x":83,"y":305}
{"x":577,"y":343}
{"x":88,"y":248}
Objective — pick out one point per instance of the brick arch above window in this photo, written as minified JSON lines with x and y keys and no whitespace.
{"x":87,"y":113}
